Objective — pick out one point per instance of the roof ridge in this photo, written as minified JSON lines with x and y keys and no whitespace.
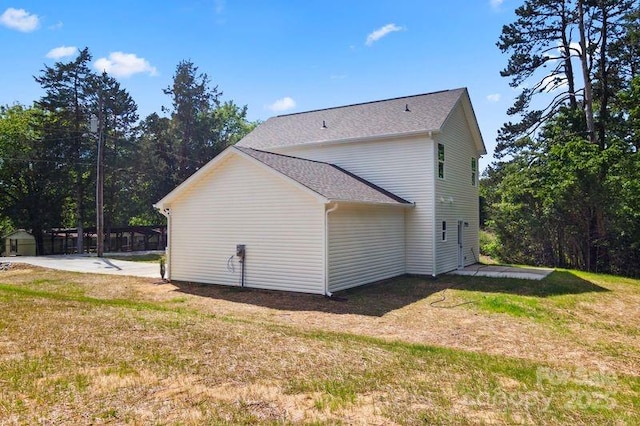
{"x":369,"y":102}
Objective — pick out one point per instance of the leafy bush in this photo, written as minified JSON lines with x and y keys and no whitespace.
{"x":489,"y":245}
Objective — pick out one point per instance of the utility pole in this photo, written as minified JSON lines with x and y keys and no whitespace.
{"x":100,"y":180}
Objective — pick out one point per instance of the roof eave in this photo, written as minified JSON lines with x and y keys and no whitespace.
{"x":372,"y":203}
{"x":171,"y":196}
{"x":474,"y":126}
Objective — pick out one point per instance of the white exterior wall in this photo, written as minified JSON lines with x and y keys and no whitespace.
{"x":457,"y":185}
{"x":241,"y":202}
{"x":401,"y":166}
{"x":365,"y":244}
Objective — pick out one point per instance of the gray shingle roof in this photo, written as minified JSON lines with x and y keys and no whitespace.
{"x":328,"y":180}
{"x":427,"y":112}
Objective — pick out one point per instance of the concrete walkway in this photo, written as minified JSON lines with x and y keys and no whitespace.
{"x":90,"y":264}
{"x":498,"y":271}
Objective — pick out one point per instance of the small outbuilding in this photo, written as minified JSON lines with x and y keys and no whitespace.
{"x":19,"y":243}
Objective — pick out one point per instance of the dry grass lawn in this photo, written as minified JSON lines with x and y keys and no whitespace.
{"x":92,"y":349}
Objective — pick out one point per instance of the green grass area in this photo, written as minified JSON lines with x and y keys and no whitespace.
{"x":78,"y":348}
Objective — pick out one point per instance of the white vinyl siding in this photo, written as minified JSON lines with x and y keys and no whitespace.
{"x":404,"y":167}
{"x":456,"y":197}
{"x":241,"y":202}
{"x":366,"y":244}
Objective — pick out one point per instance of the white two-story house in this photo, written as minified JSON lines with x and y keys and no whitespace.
{"x":326,"y":200}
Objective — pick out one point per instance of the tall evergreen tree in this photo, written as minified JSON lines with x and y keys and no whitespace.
{"x":193,"y":101}
{"x":68,"y":98}
{"x":119,"y":115}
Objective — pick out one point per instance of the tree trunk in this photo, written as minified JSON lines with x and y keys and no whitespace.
{"x":568,"y":66}
{"x":588,"y":92}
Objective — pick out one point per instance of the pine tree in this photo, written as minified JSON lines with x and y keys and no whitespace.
{"x":68,"y":98}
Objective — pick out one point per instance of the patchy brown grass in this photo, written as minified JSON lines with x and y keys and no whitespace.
{"x":78,"y":348}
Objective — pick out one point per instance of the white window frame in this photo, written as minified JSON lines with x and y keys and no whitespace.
{"x":474,"y":171}
{"x":441,"y":161}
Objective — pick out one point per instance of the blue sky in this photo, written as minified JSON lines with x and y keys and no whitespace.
{"x":274,"y":56}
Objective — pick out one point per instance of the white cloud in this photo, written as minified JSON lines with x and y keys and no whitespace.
{"x":121,"y":64}
{"x":381,"y":32}
{"x":58,"y":25}
{"x":61,"y":52}
{"x":494,"y":97}
{"x":19,"y":19}
{"x":495,"y":4}
{"x":283,"y":104}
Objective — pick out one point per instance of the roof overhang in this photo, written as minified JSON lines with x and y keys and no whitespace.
{"x":166,"y":201}
{"x":366,"y":203}
{"x":472,"y":121}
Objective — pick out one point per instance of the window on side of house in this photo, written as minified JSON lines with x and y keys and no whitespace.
{"x":444,"y":230}
{"x":474,"y":171}
{"x":441,"y":161}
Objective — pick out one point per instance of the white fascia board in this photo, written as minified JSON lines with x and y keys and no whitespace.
{"x":474,"y":127}
{"x":370,"y":203}
{"x":167,"y":199}
{"x":472,"y":122}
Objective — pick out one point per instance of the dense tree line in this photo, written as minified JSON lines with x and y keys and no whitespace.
{"x":565,"y":189}
{"x":48,"y":149}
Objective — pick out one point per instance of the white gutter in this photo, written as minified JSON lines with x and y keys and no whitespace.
{"x":372,"y":203}
{"x":326,"y":248}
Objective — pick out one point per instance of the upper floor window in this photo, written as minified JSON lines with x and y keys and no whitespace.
{"x":441,"y":161}
{"x":474,"y":171}
{"x":444,"y":230}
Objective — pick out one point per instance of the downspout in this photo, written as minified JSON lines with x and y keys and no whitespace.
{"x":434,"y":226}
{"x":167,"y":213}
{"x":327,"y":293}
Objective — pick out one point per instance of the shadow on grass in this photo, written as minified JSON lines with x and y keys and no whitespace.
{"x":372,"y":300}
{"x":383,"y":297}
{"x":555,"y":284}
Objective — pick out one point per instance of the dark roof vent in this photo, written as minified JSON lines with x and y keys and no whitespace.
{"x":406,"y":108}
{"x":324,"y":125}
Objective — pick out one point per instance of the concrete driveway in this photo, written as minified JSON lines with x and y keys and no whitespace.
{"x":90,"y":264}
{"x":500,"y":271}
